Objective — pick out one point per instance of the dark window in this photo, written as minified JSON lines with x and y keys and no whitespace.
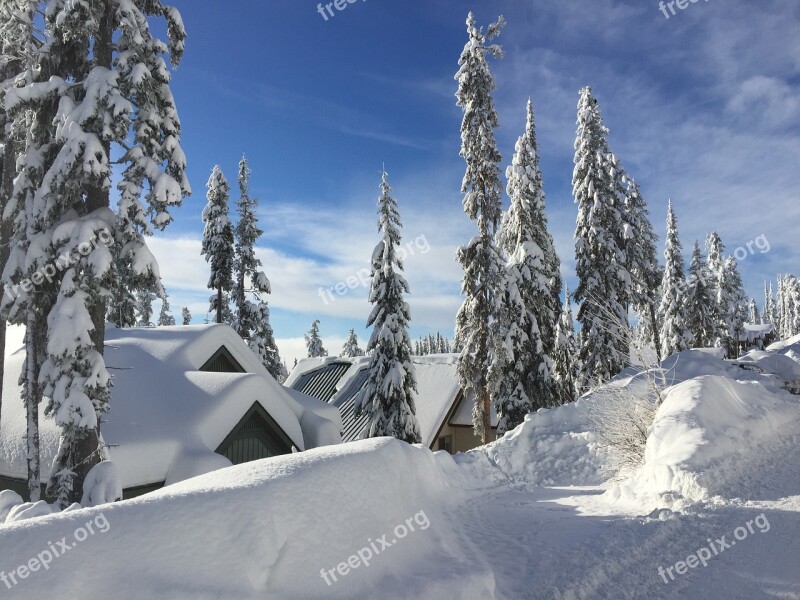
{"x":446,"y":443}
{"x":222,"y":362}
{"x":256,"y":436}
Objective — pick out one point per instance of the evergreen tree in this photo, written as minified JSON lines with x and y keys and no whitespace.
{"x":754,"y":316}
{"x":165,"y":317}
{"x":700,"y":302}
{"x":218,"y":241}
{"x":527,"y":310}
{"x":144,"y":306}
{"x":733,"y":302}
{"x":642,"y":262}
{"x":350,"y":348}
{"x":387,"y":398}
{"x":565,"y":353}
{"x":482,"y":189}
{"x":186,"y":315}
{"x":603,"y":279}
{"x":715,"y":261}
{"x":262,"y":343}
{"x":314,"y":342}
{"x":768,"y":314}
{"x":675,"y":334}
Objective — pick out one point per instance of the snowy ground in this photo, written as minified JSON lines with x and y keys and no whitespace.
{"x":531,"y":516}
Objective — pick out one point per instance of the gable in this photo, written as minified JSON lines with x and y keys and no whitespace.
{"x":222,"y":361}
{"x":321,"y":383}
{"x":256,"y":436}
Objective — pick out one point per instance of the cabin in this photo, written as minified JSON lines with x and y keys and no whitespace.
{"x":756,"y":336}
{"x":186,"y":400}
{"x":444,"y":414}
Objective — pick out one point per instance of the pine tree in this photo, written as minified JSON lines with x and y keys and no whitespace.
{"x":700,"y":302}
{"x":350,"y":348}
{"x":734,"y":306}
{"x":600,"y":261}
{"x":165,"y":318}
{"x":387,"y":398}
{"x":768,"y":314}
{"x":754,"y":316}
{"x":715,"y":261}
{"x":527,"y":310}
{"x":482,"y":189}
{"x":94,"y":83}
{"x":565,"y":353}
{"x":314,"y":342}
{"x":262,"y":343}
{"x":642,"y":262}
{"x":218,"y":241}
{"x":675,"y":334}
{"x":186,"y":315}
{"x":144,"y":307}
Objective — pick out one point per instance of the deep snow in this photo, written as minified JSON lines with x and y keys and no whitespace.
{"x":533,"y":515}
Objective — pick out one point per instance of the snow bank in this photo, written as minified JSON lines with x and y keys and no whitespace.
{"x":552,"y":447}
{"x":266,"y":529}
{"x":705,"y":438}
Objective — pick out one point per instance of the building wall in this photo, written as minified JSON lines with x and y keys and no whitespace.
{"x":459,"y":439}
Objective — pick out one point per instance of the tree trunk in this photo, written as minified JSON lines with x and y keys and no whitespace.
{"x":656,"y":335}
{"x":87,"y":448}
{"x":487,"y":418}
{"x":219,"y":304}
{"x":34,"y":343}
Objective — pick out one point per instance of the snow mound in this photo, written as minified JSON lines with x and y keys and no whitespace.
{"x":705,"y":437}
{"x":102,"y":484}
{"x":552,"y":447}
{"x":266,"y":529}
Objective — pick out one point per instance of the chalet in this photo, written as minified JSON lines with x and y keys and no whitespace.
{"x":444,"y":415}
{"x":756,"y":336}
{"x":186,"y":400}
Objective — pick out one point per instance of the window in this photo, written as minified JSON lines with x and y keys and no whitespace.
{"x":446,"y":443}
{"x":222,"y":362}
{"x":256,"y":436}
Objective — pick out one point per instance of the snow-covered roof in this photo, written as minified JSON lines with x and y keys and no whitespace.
{"x":339,"y":379}
{"x":754,"y":331}
{"x":167,"y":417}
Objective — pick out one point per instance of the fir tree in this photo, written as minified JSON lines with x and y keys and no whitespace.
{"x":527,"y":310}
{"x":754,"y":315}
{"x":675,"y":334}
{"x":700,"y":301}
{"x":715,"y":261}
{"x":482,"y":189}
{"x":186,"y":315}
{"x":387,"y":398}
{"x":314,"y":342}
{"x":262,"y":343}
{"x":165,"y":318}
{"x":350,"y":348}
{"x":565,"y":354}
{"x":768,"y":314}
{"x":218,"y":241}
{"x":603,"y":279}
{"x":733,"y":302}
{"x":144,"y":307}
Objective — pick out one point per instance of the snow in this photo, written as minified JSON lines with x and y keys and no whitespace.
{"x":533,"y":515}
{"x":167,"y":418}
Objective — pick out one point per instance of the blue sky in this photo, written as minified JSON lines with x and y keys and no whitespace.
{"x":703,"y":107}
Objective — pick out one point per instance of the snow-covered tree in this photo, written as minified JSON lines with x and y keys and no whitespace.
{"x":94,"y":84}
{"x":186,"y":315}
{"x":700,"y":301}
{"x":715,"y":261}
{"x":350,"y":348}
{"x":262,"y":343}
{"x":733,"y":302}
{"x":603,"y":280}
{"x":642,"y":262}
{"x":387,"y":398}
{"x":565,"y":355}
{"x":165,"y":317}
{"x":526,"y":309}
{"x":144,"y":308}
{"x":314,"y":342}
{"x":480,"y":258}
{"x":675,"y":334}
{"x":768,"y":315}
{"x":753,"y":314}
{"x":218,"y":247}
